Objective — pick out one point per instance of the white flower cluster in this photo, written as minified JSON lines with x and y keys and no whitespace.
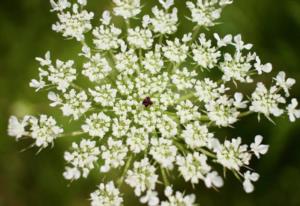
{"x":61,"y":75}
{"x":206,"y":12}
{"x":144,"y":105}
{"x":72,"y":104}
{"x":127,"y":8}
{"x":142,"y":177}
{"x":163,"y":20}
{"x":178,"y":198}
{"x":82,"y":159}
{"x":74,"y":23}
{"x":43,"y":130}
{"x":106,"y":195}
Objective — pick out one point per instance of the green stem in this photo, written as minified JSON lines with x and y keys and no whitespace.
{"x":72,"y":134}
{"x":207,"y":153}
{"x":173,"y":116}
{"x":180,"y":147}
{"x":127,"y":165}
{"x":127,"y":22}
{"x":244,"y":114}
{"x":164,"y":176}
{"x":160,"y":39}
{"x":76,"y":86}
{"x":204,"y":118}
{"x":196,"y":31}
{"x":185,"y":97}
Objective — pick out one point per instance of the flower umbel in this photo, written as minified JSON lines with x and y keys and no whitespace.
{"x":144,"y":106}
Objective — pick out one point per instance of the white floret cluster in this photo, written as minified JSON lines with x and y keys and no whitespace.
{"x":147,"y":110}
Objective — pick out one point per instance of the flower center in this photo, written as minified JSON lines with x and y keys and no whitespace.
{"x":147,"y":102}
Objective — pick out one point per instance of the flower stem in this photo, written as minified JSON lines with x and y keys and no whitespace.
{"x":185,"y":97}
{"x":164,"y":176}
{"x":196,"y":31}
{"x":127,"y":165}
{"x":72,"y":134}
{"x":244,"y":114}
{"x":207,"y":153}
{"x":76,"y":86}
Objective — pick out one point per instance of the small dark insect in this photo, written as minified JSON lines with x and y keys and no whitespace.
{"x":147,"y":102}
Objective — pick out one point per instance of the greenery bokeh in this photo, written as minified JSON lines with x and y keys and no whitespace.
{"x":27,"y":179}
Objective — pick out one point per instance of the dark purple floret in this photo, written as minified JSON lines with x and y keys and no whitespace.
{"x":147,"y":102}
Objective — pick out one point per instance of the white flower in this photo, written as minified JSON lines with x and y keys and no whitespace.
{"x":74,"y":104}
{"x":124,"y":107}
{"x":147,"y":119}
{"x":163,"y":151}
{"x":223,"y":42}
{"x":233,"y":155}
{"x":240,"y":44}
{"x":237,"y":67}
{"x":138,"y":140}
{"x":60,"y":5}
{"x":260,"y":68}
{"x":222,"y":111}
{"x":187,"y":111}
{"x":120,"y":126}
{"x":147,"y":85}
{"x":292,"y":111}
{"x":106,"y":195}
{"x":166,"y":3}
{"x":142,"y":177}
{"x":140,"y":38}
{"x":183,"y":79}
{"x":178,"y":199}
{"x":61,"y":75}
{"x":175,"y":51}
{"x":113,"y":154}
{"x":97,"y":68}
{"x":82,"y":2}
{"x":97,"y":125}
{"x":164,"y":22}
{"x":205,"y":13}
{"x":285,"y":84}
{"x":196,"y":135}
{"x":45,"y":62}
{"x":127,"y":8}
{"x":127,"y":62}
{"x":212,"y":179}
{"x":16,"y":128}
{"x":75,"y":24}
{"x":187,"y":37}
{"x":37,"y":84}
{"x":208,"y":90}
{"x":72,"y":173}
{"x":257,"y":148}
{"x":150,"y":198}
{"x":238,"y":101}
{"x":193,"y":167}
{"x":267,"y":101}
{"x":44,"y":130}
{"x":153,"y":61}
{"x":249,"y":178}
{"x":106,"y":37}
{"x":205,"y":54}
{"x":106,"y":17}
{"x":81,"y":159}
{"x":105,"y":95}
{"x":167,"y":127}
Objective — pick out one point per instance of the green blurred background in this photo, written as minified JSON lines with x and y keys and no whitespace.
{"x":27,"y":179}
